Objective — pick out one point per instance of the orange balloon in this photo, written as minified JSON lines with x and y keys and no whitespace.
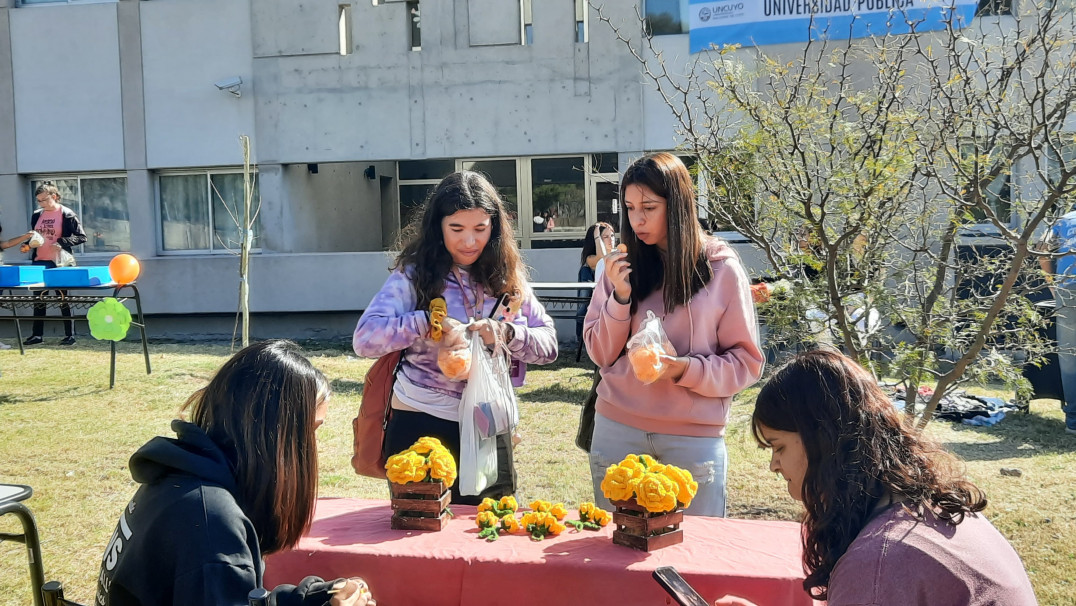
{"x":124,"y":268}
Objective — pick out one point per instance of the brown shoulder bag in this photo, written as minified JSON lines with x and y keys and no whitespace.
{"x":374,"y":412}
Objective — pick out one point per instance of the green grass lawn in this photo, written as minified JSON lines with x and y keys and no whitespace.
{"x":65,"y":433}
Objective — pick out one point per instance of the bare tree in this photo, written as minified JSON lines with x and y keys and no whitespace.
{"x":244,"y":218}
{"x":860,"y":166}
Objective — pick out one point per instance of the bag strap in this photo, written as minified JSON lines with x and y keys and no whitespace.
{"x":388,"y":408}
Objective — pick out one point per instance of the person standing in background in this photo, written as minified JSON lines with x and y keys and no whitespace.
{"x":1060,"y":238}
{"x":62,"y":231}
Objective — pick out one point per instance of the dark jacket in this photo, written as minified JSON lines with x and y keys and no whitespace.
{"x":183,"y":539}
{"x":71,"y":234}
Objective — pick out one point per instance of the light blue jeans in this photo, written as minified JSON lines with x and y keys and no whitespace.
{"x":1065,"y":320}
{"x":704,"y":458}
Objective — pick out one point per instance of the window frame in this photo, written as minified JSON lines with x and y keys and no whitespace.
{"x":207,"y":172}
{"x":685,"y":20}
{"x":24,"y":4}
{"x":80,"y":250}
{"x":984,"y":228}
{"x":525,"y":234}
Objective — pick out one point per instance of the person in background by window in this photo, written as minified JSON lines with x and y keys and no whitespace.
{"x":17,"y":240}
{"x":598,"y":242}
{"x":1061,"y":274}
{"x":62,"y":231}
{"x":4,"y":245}
{"x":698,"y":287}
{"x":889,"y":517}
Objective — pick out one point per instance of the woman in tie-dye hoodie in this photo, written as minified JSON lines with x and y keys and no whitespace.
{"x":463,"y":251}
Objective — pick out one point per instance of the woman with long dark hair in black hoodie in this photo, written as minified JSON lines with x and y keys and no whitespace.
{"x":238,"y":482}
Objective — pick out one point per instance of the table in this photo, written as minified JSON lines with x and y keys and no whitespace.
{"x":564,"y":306}
{"x":13,"y":301}
{"x":11,"y":496}
{"x":759,"y":560}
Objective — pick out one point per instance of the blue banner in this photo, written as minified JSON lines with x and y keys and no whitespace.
{"x":758,"y":22}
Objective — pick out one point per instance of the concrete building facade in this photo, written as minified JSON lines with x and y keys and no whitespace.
{"x":354,"y":110}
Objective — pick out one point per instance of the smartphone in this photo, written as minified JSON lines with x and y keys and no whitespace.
{"x":672,"y":582}
{"x":500,"y":308}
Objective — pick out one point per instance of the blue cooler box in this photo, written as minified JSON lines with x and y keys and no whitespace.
{"x":19,"y":275}
{"x":73,"y":277}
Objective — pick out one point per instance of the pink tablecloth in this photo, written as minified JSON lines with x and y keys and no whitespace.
{"x":759,"y":560}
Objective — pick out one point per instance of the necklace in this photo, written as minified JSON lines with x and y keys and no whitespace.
{"x":477,"y":291}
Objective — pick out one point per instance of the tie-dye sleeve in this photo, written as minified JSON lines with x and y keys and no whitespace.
{"x":390,"y":322}
{"x":535,"y":340}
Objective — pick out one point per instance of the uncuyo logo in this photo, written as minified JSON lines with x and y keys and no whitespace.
{"x":704,"y":13}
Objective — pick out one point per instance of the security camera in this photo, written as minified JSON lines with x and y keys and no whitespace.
{"x":230,"y":84}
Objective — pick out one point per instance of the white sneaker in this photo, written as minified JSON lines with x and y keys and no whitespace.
{"x":4,"y":345}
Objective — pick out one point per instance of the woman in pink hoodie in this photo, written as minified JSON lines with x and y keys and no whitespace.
{"x":697,"y":286}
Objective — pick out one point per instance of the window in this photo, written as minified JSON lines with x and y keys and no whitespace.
{"x":1066,"y":162}
{"x":345,"y":29}
{"x":606,"y":184}
{"x":499,"y":22}
{"x":100,"y":202}
{"x":581,"y":33}
{"x":414,"y":19}
{"x":994,"y":7}
{"x":558,"y":194}
{"x":665,"y":17}
{"x":502,"y":174}
{"x":528,"y":22}
{"x":978,"y":163}
{"x":571,"y":191}
{"x":30,"y":2}
{"x":417,"y":179}
{"x":202,"y":211}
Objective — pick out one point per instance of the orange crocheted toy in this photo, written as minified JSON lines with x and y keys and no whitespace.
{"x":455,"y":363}
{"x":646,"y":362}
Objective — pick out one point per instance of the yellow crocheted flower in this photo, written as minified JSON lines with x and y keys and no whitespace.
{"x":509,"y":524}
{"x":619,"y":481}
{"x":686,"y":486}
{"x":542,"y":506}
{"x":542,"y":523}
{"x":559,"y":511}
{"x":586,"y":509}
{"x":600,"y":517}
{"x":487,"y":504}
{"x":427,"y":444}
{"x":406,"y":467}
{"x":508,"y":504}
{"x":554,"y":526}
{"x":442,"y":465}
{"x":486,"y":519}
{"x":656,"y":493}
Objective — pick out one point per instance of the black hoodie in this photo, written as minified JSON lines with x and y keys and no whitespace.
{"x":184,"y":539}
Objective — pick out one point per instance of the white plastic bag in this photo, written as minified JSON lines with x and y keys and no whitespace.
{"x":64,"y":259}
{"x":487,"y":409}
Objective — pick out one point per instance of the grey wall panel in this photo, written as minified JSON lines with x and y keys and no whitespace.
{"x":67,"y":88}
{"x":288,"y":27}
{"x":492,"y":22}
{"x":187,"y":46}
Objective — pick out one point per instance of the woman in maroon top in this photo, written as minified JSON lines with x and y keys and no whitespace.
{"x":890,"y":519}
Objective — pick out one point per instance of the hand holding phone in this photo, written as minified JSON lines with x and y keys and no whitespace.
{"x":677,"y":587}
{"x":500,"y":308}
